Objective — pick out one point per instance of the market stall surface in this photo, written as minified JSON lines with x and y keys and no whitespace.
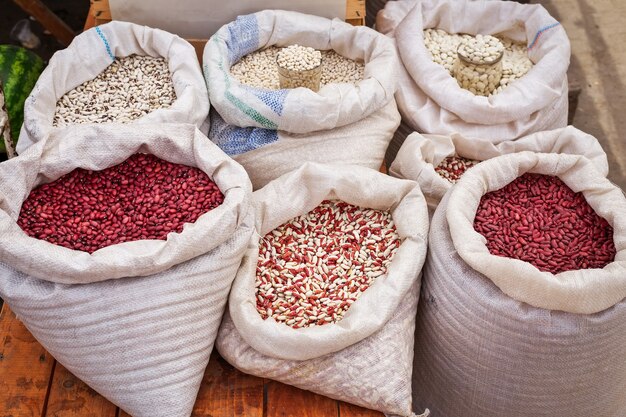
{"x":32,"y":383}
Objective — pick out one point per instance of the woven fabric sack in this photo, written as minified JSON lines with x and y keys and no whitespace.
{"x":431,"y":101}
{"x":366,"y":358}
{"x":288,"y":127}
{"x":272,"y":153}
{"x":420,"y":154}
{"x":91,"y":52}
{"x":137,"y":320}
{"x":496,"y":336}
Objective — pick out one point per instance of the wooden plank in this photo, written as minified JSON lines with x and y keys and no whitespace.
{"x":355,"y":9}
{"x":123,"y":413}
{"x":351,"y":410}
{"x":91,"y":19}
{"x":101,"y":9}
{"x":37,"y":9}
{"x":198,"y":45}
{"x":226,"y":392}
{"x":71,"y":397}
{"x":287,"y":401}
{"x":25,"y":369}
{"x":355,"y":12}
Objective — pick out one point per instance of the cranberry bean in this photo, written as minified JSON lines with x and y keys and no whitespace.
{"x":311,"y":269}
{"x":453,"y":167}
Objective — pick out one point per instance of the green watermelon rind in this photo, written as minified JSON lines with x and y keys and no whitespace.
{"x":19,"y":71}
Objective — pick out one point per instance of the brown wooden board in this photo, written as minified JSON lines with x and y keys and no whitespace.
{"x":25,"y":369}
{"x":287,"y":401}
{"x":226,"y":392}
{"x":351,"y":410}
{"x":71,"y":397}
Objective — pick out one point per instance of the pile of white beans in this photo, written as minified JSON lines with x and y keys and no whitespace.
{"x":128,"y":89}
{"x":299,"y":58}
{"x":443,"y":48}
{"x":479,"y":68}
{"x":259,"y":69}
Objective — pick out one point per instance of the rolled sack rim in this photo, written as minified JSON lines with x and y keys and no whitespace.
{"x":59,"y":264}
{"x":542,"y":83}
{"x":190,"y":106}
{"x":297,"y":110}
{"x":278,"y":340}
{"x":584,"y":291}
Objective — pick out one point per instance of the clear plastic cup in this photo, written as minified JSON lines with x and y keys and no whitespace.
{"x":310,"y":78}
{"x":481,"y":77}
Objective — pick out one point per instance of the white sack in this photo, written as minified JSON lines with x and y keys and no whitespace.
{"x":137,"y":320}
{"x":366,"y":357}
{"x":420,"y":154}
{"x":91,"y":52}
{"x":272,"y":132}
{"x":496,"y":336}
{"x":298,"y":110}
{"x":431,"y":101}
{"x":268,"y":154}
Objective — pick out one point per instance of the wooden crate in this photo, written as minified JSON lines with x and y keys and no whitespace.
{"x":99,"y":13}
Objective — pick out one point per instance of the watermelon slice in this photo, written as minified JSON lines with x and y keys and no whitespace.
{"x":19,"y":70}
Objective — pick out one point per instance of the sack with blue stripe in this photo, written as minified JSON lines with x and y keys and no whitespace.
{"x":431,"y":101}
{"x":91,"y":52}
{"x":271,"y":132}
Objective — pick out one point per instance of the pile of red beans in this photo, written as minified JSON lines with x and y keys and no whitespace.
{"x":144,"y":197}
{"x":540,"y":220}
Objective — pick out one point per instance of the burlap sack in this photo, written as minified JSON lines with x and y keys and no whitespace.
{"x":271,"y":132}
{"x":431,"y":101}
{"x":136,"y":321}
{"x":92,"y":52}
{"x":420,"y":154}
{"x":366,"y":357}
{"x":496,"y":336}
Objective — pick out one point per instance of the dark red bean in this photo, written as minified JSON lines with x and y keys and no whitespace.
{"x":87,"y":210}
{"x":539,"y":219}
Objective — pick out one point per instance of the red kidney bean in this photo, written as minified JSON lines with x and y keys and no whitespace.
{"x":566,"y":233}
{"x":65,"y":212}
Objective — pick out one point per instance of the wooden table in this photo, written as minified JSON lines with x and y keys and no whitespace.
{"x":33,"y":384}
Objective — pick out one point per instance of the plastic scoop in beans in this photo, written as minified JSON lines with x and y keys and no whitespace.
{"x":443,"y":47}
{"x":144,"y":197}
{"x":540,"y":220}
{"x":311,"y":269}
